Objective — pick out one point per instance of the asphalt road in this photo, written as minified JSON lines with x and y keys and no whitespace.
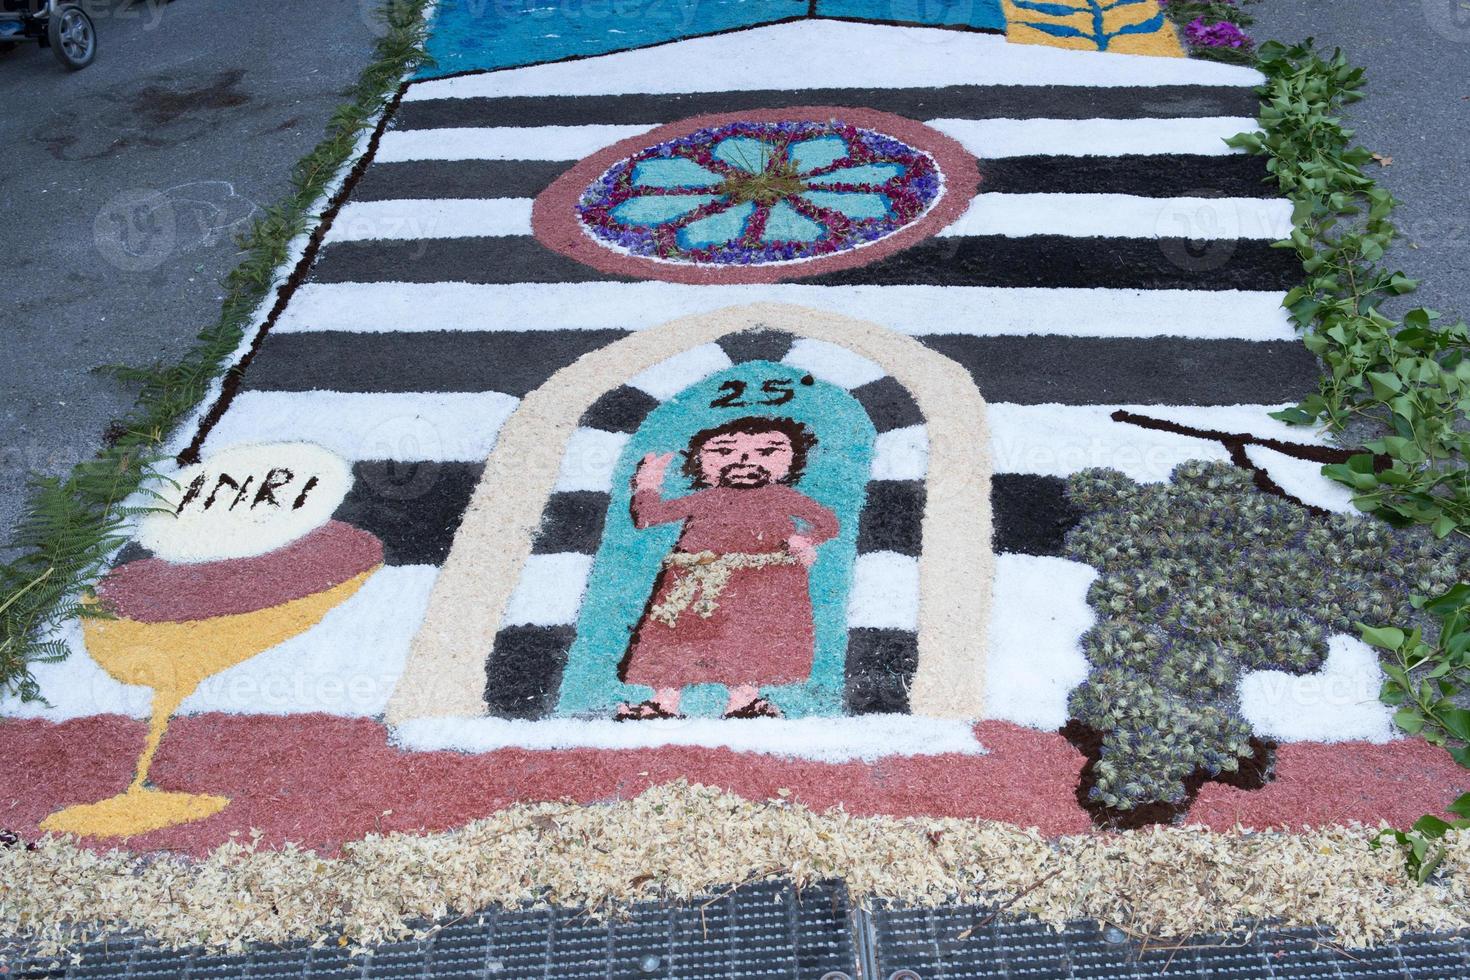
{"x":1417,"y":112}
{"x":122,"y":186}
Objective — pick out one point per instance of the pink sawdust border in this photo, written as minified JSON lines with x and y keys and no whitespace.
{"x":321,"y":780}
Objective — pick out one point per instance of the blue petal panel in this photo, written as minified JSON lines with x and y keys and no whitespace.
{"x":786,"y":224}
{"x":823,"y":151}
{"x":717,"y":229}
{"x":872,"y":173}
{"x":673,"y":172}
{"x":750,"y":155}
{"x":656,"y":209}
{"x":856,"y":205}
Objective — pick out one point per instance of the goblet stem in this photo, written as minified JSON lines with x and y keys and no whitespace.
{"x":164,"y":706}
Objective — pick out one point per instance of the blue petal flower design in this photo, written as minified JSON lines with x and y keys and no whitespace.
{"x":760,"y":192}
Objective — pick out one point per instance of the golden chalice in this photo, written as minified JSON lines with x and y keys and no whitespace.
{"x":174,"y":655}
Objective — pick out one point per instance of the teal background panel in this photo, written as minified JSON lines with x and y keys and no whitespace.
{"x":482,"y":34}
{"x":628,"y":560}
{"x":470,"y":35}
{"x":983,"y":15}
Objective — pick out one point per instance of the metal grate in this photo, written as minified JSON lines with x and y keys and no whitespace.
{"x":771,"y":932}
{"x":766,"y":931}
{"x":927,"y":944}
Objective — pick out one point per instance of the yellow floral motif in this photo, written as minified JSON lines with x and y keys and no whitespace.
{"x":1118,"y":26}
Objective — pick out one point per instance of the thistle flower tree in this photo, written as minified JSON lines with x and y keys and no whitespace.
{"x":1201,"y":580}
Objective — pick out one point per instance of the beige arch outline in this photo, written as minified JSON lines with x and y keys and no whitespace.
{"x":445,"y":673}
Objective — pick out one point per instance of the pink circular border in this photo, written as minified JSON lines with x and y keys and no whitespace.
{"x":554,"y":213}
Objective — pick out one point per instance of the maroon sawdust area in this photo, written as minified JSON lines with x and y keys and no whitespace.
{"x":319,"y":780}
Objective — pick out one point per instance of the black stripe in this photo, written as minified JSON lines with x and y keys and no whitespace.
{"x":523,"y":671}
{"x":990,"y":260}
{"x":512,"y":258}
{"x":879,"y":668}
{"x":1162,"y":175}
{"x":1031,"y":514}
{"x":622,"y":409}
{"x":431,"y":179}
{"x":509,"y":361}
{"x":1152,"y":175}
{"x":892,"y":517}
{"x":948,"y":102}
{"x":415,"y":508}
{"x":888,"y":403}
{"x":1029,"y":370}
{"x":571,"y":521}
{"x":1140,"y":371}
{"x":1060,"y":260}
{"x":756,"y":345}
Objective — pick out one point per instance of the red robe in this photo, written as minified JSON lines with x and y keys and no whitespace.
{"x":761,"y":629}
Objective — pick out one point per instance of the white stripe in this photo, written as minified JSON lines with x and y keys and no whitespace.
{"x":885,"y":592}
{"x":1059,"y":440}
{"x":986,"y":311}
{"x":673,"y":374}
{"x":832,"y":54}
{"x":1124,"y":216}
{"x":358,"y":426}
{"x":446,"y":218}
{"x":1079,"y":215}
{"x":549,"y":591}
{"x":500,"y":142}
{"x":590,"y":458}
{"x":832,"y":363}
{"x":1049,"y":440}
{"x":1303,"y":479}
{"x":901,"y":454}
{"x":986,"y":138}
{"x":865,"y":737}
{"x":991,"y":138}
{"x":1038,"y":615}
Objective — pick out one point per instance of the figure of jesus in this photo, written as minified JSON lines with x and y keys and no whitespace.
{"x":732,"y":603}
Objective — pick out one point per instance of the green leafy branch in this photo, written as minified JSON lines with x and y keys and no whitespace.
{"x":1423,"y":843}
{"x":1425,"y":673}
{"x":74,"y":524}
{"x":1408,"y":383}
{"x":1424,"y":676}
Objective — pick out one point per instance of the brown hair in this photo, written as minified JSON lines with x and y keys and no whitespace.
{"x":802,"y":441}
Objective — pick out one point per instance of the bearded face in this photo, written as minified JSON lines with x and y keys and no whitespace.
{"x":745,"y":461}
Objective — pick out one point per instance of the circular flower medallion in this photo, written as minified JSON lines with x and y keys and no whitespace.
{"x":757,"y":197}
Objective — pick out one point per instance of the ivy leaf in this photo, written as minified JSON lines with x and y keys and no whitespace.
{"x":1385,"y":637}
{"x":1294,"y":416}
{"x":1457,"y":722}
{"x":1409,"y":719}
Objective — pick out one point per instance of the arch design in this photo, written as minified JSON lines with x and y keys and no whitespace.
{"x":865,"y":656}
{"x":512,"y":586}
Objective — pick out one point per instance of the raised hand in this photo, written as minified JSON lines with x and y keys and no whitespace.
{"x":651,"y":470}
